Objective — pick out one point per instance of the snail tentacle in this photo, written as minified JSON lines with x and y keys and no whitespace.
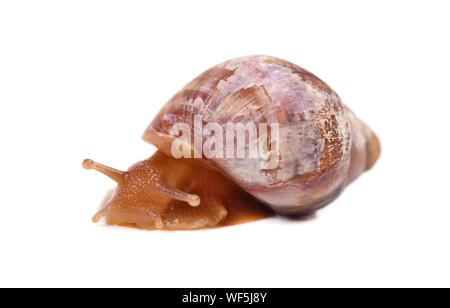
{"x":112,"y":173}
{"x":192,"y":199}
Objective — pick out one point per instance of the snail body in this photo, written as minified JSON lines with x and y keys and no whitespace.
{"x":321,"y":147}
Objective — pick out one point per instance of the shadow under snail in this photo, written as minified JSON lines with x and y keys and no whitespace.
{"x":321,"y":148}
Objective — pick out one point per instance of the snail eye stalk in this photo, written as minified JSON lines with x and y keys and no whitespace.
{"x":191,"y":199}
{"x":112,"y":173}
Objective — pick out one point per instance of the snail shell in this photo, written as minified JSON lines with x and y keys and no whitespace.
{"x":322,"y":145}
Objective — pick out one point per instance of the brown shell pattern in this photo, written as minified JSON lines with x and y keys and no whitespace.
{"x":316,"y":131}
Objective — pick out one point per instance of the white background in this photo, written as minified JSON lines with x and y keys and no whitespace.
{"x":84,"y":78}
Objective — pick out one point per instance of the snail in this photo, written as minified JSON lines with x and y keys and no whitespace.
{"x":320,"y":147}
